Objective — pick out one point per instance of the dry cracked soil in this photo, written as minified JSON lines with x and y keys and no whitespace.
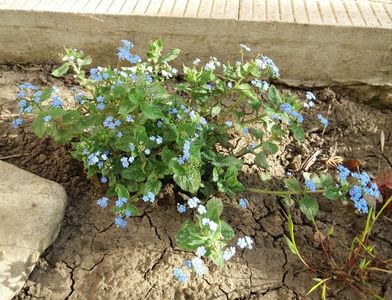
{"x":92,"y":259}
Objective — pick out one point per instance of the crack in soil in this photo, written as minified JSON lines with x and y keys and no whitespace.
{"x":72,"y":286}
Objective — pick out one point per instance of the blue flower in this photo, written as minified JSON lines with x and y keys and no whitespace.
{"x":310,"y":185}
{"x":201,"y":209}
{"x":372,"y":190}
{"x":119,"y":134}
{"x":95,"y":74}
{"x":120,"y":222}
{"x":121,"y":201}
{"x":181,"y":208}
{"x":103,"y":202}
{"x":149,"y":197}
{"x":343,"y":172}
{"x":100,"y":99}
{"x":101,"y":106}
{"x":27,"y":86}
{"x":111,"y":123}
{"x":180,"y":275}
{"x":245,"y":47}
{"x":159,"y":124}
{"x":362,"y":177}
{"x":198,"y":266}
{"x":131,"y":147}
{"x":17,"y":122}
{"x":129,"y":118}
{"x":244,"y":203}
{"x":104,"y":179}
{"x":187,"y":263}
{"x":201,"y":251}
{"x":298,"y":116}
{"x":323,"y":120}
{"x":229,"y":124}
{"x":128,"y":213}
{"x":245,"y":131}
{"x":37,"y":96}
{"x":126,"y":161}
{"x":56,"y":101}
{"x":47,"y":119}
{"x":286,"y":108}
{"x":355,"y":193}
{"x":193,"y":202}
{"x":245,"y":242}
{"x":124,"y":52}
{"x":228,"y":253}
{"x":310,"y":96}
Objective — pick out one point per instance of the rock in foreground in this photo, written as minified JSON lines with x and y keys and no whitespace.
{"x":31,"y":212}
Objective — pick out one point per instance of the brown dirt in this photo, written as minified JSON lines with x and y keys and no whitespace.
{"x":92,"y":259}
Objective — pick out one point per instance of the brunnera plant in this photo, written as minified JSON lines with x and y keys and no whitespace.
{"x":138,"y":128}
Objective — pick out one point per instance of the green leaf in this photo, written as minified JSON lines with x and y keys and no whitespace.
{"x":215,"y":110}
{"x":122,"y":191}
{"x":153,"y":185}
{"x":217,"y":258}
{"x":214,"y":209}
{"x":270,"y":148}
{"x":309,"y":207}
{"x":292,"y":184}
{"x":189,"y":237}
{"x":332,"y":193}
{"x":133,"y":209}
{"x":39,"y":127}
{"x":297,"y":131}
{"x":167,"y":154}
{"x":172,"y":55}
{"x":261,"y":160}
{"x":152,"y":112}
{"x":226,"y":231}
{"x":274,"y":96}
{"x":154,"y":49}
{"x":289,"y":243}
{"x":60,"y":71}
{"x":246,"y":89}
{"x":134,"y":172}
{"x":190,"y":181}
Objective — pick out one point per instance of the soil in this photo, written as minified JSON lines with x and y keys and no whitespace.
{"x":92,"y":259}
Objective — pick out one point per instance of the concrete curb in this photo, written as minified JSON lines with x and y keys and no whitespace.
{"x":320,"y":46}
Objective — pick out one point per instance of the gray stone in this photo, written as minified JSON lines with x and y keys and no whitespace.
{"x":31,"y":211}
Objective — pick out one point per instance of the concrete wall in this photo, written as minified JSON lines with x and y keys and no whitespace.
{"x":307,"y":54}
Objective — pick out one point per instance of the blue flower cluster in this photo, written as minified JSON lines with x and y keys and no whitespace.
{"x":101,"y":102}
{"x":157,"y":139}
{"x":17,"y":122}
{"x":323,"y":120}
{"x":261,"y":84}
{"x":97,"y":74}
{"x":186,"y":153}
{"x":124,"y":52}
{"x":111,"y":123}
{"x":103,"y":202}
{"x":97,"y":158}
{"x":310,"y":97}
{"x":287,"y":108}
{"x":359,"y":191}
{"x":243,"y":202}
{"x":121,"y":201}
{"x":310,"y":185}
{"x":149,"y":197}
{"x":245,"y":242}
{"x":264,"y":62}
{"x":126,"y":161}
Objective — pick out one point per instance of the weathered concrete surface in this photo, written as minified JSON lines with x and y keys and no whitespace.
{"x":32,"y":209}
{"x":313,"y":42}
